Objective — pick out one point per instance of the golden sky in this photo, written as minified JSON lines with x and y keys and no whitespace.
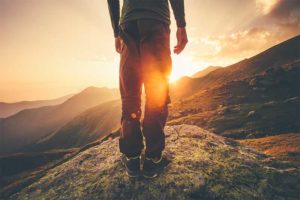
{"x":50,"y":48}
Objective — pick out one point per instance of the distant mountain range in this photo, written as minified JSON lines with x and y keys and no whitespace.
{"x":8,"y":109}
{"x":86,"y":127}
{"x":30,"y":125}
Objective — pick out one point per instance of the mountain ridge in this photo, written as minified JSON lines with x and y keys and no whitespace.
{"x":276,"y":56}
{"x":205,"y":71}
{"x":9,"y":109}
{"x":272,"y":98}
{"x":84,"y":128}
{"x":37,"y":122}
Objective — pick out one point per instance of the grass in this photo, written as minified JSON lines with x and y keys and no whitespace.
{"x":284,"y":147}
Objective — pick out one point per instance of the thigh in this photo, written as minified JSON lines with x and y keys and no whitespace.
{"x":130,"y":74}
{"x":155,"y":45}
{"x":155,"y":60}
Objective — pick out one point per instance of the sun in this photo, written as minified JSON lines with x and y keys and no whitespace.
{"x":175,"y":75}
{"x":182,"y":66}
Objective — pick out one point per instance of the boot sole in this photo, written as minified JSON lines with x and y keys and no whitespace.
{"x":132,"y":174}
{"x":155,"y":174}
{"x":149,"y":176}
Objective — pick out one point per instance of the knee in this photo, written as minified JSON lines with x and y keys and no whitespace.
{"x":131,"y":114}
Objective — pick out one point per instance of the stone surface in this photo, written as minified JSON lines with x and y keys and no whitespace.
{"x":204,"y":166}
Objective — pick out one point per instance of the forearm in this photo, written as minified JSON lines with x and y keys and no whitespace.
{"x":114,"y":11}
{"x":178,"y":10}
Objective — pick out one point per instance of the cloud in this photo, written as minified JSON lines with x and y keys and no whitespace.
{"x":283,"y":19}
{"x":285,"y":9}
{"x":286,"y":15}
{"x":270,"y":22}
{"x":240,"y":44}
{"x":280,"y":12}
{"x":279,"y":20}
{"x":265,"y":6}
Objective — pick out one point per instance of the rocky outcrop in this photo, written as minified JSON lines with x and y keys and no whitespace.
{"x":203,"y":166}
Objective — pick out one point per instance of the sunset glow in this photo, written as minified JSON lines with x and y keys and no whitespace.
{"x":183,"y":66}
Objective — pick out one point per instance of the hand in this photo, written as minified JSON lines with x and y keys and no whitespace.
{"x":181,"y":40}
{"x":118,"y":44}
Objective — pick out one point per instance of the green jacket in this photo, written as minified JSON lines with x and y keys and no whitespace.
{"x":145,"y":9}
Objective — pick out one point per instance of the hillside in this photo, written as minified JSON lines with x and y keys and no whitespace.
{"x":8,"y":109}
{"x":254,"y":98}
{"x":86,"y":127}
{"x":284,"y":53}
{"x":284,"y":147}
{"x":92,"y":125}
{"x":204,"y":72}
{"x":23,"y":166}
{"x":30,"y":125}
{"x":215,"y":168}
{"x":262,"y":105}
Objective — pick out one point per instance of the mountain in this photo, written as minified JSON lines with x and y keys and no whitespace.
{"x":203,"y":166}
{"x":8,"y":109}
{"x":204,"y":72}
{"x":255,"y":101}
{"x":94,"y":124}
{"x":256,"y":106}
{"x":85,"y":128}
{"x":280,"y":55}
{"x":30,"y":125}
{"x":259,"y":106}
{"x":254,"y":98}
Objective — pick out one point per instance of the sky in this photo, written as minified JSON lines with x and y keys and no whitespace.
{"x":50,"y":48}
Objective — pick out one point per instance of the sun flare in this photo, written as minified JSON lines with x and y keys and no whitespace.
{"x":182,"y":66}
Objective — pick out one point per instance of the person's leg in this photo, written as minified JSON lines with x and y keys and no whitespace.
{"x":130,"y":80}
{"x":156,"y":64}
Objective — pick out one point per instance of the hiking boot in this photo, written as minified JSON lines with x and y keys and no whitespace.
{"x":132,"y":165}
{"x":153,"y":166}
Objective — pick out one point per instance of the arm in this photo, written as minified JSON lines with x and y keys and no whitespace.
{"x":178,"y":10}
{"x":114,"y":11}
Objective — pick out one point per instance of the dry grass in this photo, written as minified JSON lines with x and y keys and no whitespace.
{"x":284,"y":146}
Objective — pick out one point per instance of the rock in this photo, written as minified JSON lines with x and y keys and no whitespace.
{"x":253,"y":82}
{"x":224,"y":110}
{"x":293,"y":99}
{"x":251,"y":113}
{"x":270,"y":103}
{"x":204,"y":166}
